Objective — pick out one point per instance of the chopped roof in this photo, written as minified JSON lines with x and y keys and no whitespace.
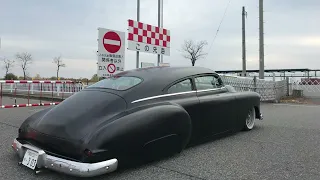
{"x":157,"y":78}
{"x":167,"y":74}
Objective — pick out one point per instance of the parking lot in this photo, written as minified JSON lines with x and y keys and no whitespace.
{"x":285,"y":145}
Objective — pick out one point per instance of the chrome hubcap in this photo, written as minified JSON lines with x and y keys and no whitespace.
{"x":250,"y":119}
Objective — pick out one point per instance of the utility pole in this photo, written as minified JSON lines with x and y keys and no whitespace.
{"x":261,"y":41}
{"x":138,"y":19}
{"x":244,"y":61}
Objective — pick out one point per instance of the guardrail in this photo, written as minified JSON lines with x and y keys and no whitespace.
{"x":40,"y":89}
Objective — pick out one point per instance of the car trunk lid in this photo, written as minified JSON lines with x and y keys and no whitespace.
{"x":79,"y":114}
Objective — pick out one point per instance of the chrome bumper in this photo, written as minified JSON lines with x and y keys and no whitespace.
{"x":66,"y":166}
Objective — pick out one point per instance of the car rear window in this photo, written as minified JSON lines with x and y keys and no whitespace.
{"x":117,"y":83}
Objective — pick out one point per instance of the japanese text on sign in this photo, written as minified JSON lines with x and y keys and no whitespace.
{"x":104,"y":68}
{"x":148,"y":48}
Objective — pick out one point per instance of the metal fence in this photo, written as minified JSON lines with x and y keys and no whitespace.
{"x":34,"y":88}
{"x":42,"y":89}
{"x":275,"y":90}
{"x":269,"y":90}
{"x":308,"y":87}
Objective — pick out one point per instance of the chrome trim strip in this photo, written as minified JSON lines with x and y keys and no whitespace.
{"x":163,"y":95}
{"x":215,"y":89}
{"x":72,"y":168}
{"x":174,"y":94}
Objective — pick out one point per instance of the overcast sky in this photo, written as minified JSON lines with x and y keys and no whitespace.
{"x":69,"y":27}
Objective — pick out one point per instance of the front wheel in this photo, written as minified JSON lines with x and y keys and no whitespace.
{"x":251,"y":117}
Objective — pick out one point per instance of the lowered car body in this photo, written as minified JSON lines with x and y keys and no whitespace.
{"x":138,"y":113}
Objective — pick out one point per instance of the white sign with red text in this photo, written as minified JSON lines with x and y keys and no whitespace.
{"x":111,"y":52}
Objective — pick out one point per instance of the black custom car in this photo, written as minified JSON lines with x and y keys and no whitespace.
{"x":145,"y":111}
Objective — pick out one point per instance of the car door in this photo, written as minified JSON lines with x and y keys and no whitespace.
{"x":183,"y":93}
{"x":216,"y":105}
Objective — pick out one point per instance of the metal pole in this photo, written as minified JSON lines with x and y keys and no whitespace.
{"x":261,"y":41}
{"x":138,"y":19}
{"x":159,"y":25}
{"x":274,"y":77}
{"x":244,"y":13}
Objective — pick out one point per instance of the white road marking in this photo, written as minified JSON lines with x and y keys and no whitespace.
{"x":297,"y":105}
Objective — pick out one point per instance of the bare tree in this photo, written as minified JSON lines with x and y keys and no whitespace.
{"x":8,"y":63}
{"x":193,"y":51}
{"x":59,"y":63}
{"x":25,"y":59}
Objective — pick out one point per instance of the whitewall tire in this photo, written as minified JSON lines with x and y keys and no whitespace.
{"x":250,"y":119}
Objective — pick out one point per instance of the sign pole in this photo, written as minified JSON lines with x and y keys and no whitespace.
{"x":159,"y":25}
{"x":161,"y":22}
{"x":138,"y":19}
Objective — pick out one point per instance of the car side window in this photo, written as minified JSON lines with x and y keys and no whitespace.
{"x":182,"y":86}
{"x":207,"y":82}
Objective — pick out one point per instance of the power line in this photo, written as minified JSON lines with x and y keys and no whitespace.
{"x":225,"y":12}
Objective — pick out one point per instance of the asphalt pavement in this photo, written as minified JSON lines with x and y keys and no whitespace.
{"x":285,"y":145}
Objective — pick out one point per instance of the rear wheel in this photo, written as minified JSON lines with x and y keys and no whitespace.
{"x":250,"y":120}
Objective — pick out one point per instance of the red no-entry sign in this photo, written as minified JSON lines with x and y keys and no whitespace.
{"x":111,"y":52}
{"x":111,"y":42}
{"x":111,"y":68}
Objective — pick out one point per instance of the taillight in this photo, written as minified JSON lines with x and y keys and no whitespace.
{"x":14,"y":145}
{"x":87,"y":152}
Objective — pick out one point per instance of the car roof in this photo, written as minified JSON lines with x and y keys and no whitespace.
{"x":165,"y":75}
{"x":155,"y":79}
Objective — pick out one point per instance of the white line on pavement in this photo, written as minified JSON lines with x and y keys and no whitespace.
{"x":297,"y":105}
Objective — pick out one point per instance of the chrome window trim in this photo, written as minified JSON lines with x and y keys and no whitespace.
{"x":174,"y":94}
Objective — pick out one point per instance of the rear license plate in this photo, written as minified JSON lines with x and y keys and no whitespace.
{"x":30,"y":159}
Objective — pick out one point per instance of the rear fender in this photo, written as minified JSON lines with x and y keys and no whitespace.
{"x":142,"y":127}
{"x":247,"y":100}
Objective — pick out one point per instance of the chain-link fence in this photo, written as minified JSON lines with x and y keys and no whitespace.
{"x":269,"y":90}
{"x":306,"y":87}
